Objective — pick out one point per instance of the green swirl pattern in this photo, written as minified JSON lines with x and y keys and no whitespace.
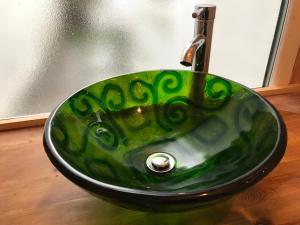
{"x":112,"y":104}
{"x":63,"y":140}
{"x":105,"y":135}
{"x":138,"y":91}
{"x":217,"y":93}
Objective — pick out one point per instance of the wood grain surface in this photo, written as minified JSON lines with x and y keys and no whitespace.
{"x":25,"y":121}
{"x":296,"y":69}
{"x":33,"y":192}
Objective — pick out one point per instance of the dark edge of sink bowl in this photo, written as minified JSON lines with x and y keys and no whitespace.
{"x":136,"y":196}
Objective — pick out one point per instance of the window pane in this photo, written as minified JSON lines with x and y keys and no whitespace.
{"x":50,"y":49}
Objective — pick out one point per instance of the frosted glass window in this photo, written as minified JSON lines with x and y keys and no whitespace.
{"x":50,"y":49}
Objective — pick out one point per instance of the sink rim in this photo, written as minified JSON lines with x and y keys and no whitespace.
{"x":236,"y":185}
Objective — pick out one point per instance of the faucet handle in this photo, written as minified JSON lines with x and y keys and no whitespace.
{"x":204,"y":12}
{"x":197,"y":12}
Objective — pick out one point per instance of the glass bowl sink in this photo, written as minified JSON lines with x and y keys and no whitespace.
{"x":221,"y":138}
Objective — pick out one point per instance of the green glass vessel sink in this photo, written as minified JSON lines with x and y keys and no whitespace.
{"x":220,"y":137}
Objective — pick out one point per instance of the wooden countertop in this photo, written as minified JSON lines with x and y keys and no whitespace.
{"x":32,"y":191}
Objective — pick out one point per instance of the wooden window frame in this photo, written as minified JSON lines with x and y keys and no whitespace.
{"x":286,"y":52}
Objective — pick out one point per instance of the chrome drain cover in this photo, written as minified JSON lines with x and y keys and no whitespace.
{"x":160,"y":162}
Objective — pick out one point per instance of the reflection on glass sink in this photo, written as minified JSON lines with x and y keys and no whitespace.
{"x":223,"y":136}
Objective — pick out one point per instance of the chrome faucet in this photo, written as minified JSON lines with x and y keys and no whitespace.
{"x":197,"y":52}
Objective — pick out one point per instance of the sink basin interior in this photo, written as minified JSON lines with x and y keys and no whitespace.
{"x":217,"y":130}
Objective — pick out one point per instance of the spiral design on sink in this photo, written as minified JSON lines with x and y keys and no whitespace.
{"x":217,"y":93}
{"x":105,"y":134}
{"x":170,"y":81}
{"x":95,"y":167}
{"x":175,"y":110}
{"x":85,"y":104}
{"x":117,"y":101}
{"x":244,"y":113}
{"x":82,"y":103}
{"x":140,"y":91}
{"x":60,"y":134}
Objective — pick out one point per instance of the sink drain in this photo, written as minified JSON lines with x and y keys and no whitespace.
{"x":160,"y":162}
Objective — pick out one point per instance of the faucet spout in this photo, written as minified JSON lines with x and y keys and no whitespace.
{"x":189,"y":52}
{"x":197,"y":52}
